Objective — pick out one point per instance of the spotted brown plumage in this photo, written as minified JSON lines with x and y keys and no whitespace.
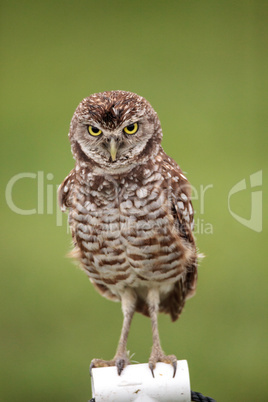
{"x":130,"y":213}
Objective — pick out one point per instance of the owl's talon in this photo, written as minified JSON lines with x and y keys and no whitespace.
{"x":120,"y":364}
{"x":170,"y":359}
{"x":152,"y":367}
{"x":174,"y":364}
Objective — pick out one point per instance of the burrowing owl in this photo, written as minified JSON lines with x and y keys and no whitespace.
{"x":130,"y":214}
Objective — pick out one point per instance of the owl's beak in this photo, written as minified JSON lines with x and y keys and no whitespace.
{"x":113,"y":149}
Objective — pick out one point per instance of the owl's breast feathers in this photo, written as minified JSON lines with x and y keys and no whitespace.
{"x":134,"y":230}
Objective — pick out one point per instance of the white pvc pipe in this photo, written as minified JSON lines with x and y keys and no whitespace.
{"x":136,"y":383}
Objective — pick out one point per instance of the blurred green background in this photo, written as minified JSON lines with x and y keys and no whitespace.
{"x":203,"y":66}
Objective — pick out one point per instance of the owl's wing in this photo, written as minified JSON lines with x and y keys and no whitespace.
{"x":183,"y":218}
{"x":181,"y":206}
{"x":65,"y":191}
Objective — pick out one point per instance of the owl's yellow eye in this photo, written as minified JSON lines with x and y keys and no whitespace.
{"x":131,"y":128}
{"x":94,"y":131}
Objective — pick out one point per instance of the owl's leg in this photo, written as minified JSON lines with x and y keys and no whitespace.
{"x":157,"y":354}
{"x":128,"y":300}
{"x":121,"y":358}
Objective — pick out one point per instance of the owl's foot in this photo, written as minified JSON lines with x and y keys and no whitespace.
{"x":119,"y":361}
{"x":159,"y":356}
{"x":95,"y":363}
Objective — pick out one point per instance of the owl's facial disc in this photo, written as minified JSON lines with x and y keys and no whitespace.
{"x":114,"y":148}
{"x":114,"y":131}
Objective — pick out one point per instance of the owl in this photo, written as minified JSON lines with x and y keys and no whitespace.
{"x":130,"y":214}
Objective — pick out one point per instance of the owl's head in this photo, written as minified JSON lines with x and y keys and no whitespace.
{"x":114,"y":131}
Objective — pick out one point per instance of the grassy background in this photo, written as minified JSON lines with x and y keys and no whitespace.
{"x":203,"y":66}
